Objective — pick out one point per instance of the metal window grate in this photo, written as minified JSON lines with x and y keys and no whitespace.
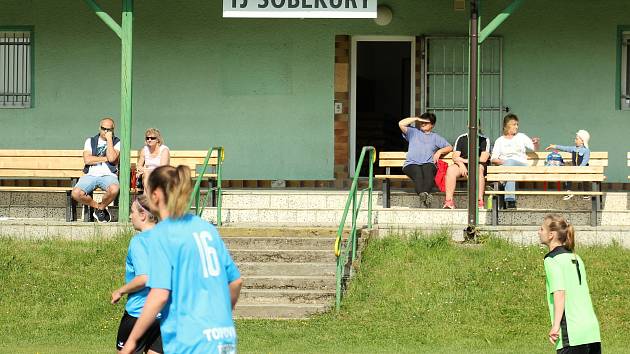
{"x":15,"y":69}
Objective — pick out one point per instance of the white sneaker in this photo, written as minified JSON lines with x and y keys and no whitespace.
{"x":586,"y":197}
{"x":567,"y":197}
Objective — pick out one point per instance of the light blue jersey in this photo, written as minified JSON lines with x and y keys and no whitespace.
{"x":137,"y":263}
{"x":189,"y":258}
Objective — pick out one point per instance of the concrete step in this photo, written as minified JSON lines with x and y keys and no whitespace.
{"x":274,"y":243}
{"x":294,"y":282}
{"x":256,"y":230}
{"x":291,"y":256}
{"x":287,"y":269}
{"x":279,"y":311}
{"x":282,"y":296}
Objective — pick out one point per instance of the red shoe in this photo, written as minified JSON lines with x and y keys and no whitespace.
{"x":449,"y":204}
{"x":480,"y":204}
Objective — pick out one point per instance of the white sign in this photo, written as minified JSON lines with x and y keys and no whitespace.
{"x":300,"y":8}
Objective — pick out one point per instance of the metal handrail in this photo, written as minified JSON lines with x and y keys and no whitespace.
{"x":350,"y":249}
{"x":196,"y":193}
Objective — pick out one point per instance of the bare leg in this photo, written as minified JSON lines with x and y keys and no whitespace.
{"x":482,"y":182}
{"x":110,"y":195}
{"x":80,"y":196}
{"x":451,"y":180}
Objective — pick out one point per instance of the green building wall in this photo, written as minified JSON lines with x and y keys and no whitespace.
{"x":263,"y":88}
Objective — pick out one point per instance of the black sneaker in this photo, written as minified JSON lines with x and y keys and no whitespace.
{"x":102,"y":215}
{"x":428,"y":200}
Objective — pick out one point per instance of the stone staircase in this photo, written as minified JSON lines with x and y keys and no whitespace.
{"x":288,"y":273}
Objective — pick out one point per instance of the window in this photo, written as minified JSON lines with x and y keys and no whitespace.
{"x":625,"y":70}
{"x":15,"y":69}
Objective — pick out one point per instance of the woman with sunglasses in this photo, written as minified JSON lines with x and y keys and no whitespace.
{"x":153,"y":155}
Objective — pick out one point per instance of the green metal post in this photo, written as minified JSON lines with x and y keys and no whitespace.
{"x":219,"y":189}
{"x":125,"y":33}
{"x":371,"y":184}
{"x":499,"y":19}
{"x":126,"y":109}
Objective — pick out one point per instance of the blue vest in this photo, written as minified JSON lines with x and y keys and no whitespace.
{"x":94,"y":145}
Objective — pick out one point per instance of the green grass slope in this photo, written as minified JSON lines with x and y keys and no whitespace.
{"x":423,"y":295}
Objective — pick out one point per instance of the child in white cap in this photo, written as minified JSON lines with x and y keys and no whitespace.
{"x":580,"y":153}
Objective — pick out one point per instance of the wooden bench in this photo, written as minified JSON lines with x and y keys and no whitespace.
{"x":396,"y":159}
{"x":538,"y":172}
{"x":36,"y":166}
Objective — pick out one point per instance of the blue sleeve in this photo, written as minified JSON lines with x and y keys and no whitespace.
{"x":566,"y":148}
{"x":160,"y":270}
{"x":411,"y":131}
{"x":586,"y":155}
{"x":231,"y":270}
{"x":441,"y":142}
{"x":139,"y":257}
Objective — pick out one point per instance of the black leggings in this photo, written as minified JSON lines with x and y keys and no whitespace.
{"x":423,"y":176}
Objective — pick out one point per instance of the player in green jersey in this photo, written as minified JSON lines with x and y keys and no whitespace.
{"x":575,"y":328}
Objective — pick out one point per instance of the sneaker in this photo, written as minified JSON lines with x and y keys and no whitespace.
{"x":567,"y":197}
{"x":449,"y":204}
{"x":480,"y":204}
{"x":586,"y":197}
{"x":428,"y":200}
{"x":510,"y":204}
{"x":102,"y":215}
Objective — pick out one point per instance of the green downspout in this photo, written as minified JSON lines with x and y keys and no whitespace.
{"x":125,"y":33}
{"x":126,"y":89}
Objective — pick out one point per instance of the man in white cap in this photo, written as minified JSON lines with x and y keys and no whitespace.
{"x":580,"y":153}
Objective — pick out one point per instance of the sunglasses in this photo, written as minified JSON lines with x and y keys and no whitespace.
{"x":107,"y":129}
{"x":148,"y":138}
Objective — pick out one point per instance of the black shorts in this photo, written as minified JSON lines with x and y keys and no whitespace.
{"x":150,"y":340}
{"x":591,"y":348}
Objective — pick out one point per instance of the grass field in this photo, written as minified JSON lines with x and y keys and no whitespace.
{"x":424,"y":295}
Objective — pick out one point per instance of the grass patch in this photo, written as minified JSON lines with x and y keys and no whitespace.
{"x":421,"y":295}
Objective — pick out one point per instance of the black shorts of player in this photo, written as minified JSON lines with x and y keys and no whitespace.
{"x":151,"y":340}
{"x":591,"y":348}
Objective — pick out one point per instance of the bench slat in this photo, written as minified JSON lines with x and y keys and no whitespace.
{"x":34,"y":189}
{"x":41,"y":173}
{"x":542,"y":192}
{"x":566,"y":177}
{"x":546,"y":169}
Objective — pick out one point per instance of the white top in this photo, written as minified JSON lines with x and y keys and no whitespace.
{"x":100,"y":169}
{"x":512,"y":149}
{"x":153,"y":162}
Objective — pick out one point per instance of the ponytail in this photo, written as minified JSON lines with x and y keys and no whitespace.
{"x":176,"y":184}
{"x":570,"y":241}
{"x":565,"y":231}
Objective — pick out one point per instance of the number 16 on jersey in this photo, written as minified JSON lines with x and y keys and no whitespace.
{"x":208,"y":254}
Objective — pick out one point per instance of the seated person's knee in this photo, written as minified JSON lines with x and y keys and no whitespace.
{"x":77,"y":193}
{"x":113,"y":189}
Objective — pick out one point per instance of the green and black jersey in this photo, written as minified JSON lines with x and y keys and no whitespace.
{"x":565,"y":271}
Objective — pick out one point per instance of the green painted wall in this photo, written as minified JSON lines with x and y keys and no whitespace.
{"x":263,"y":87}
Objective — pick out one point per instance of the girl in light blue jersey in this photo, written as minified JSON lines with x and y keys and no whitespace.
{"x":194,"y":281}
{"x":136,"y":270}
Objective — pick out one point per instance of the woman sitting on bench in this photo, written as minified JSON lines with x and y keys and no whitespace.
{"x":510,"y":150}
{"x":425,"y":149}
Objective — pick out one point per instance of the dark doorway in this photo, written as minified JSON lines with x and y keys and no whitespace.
{"x":383,"y":94}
